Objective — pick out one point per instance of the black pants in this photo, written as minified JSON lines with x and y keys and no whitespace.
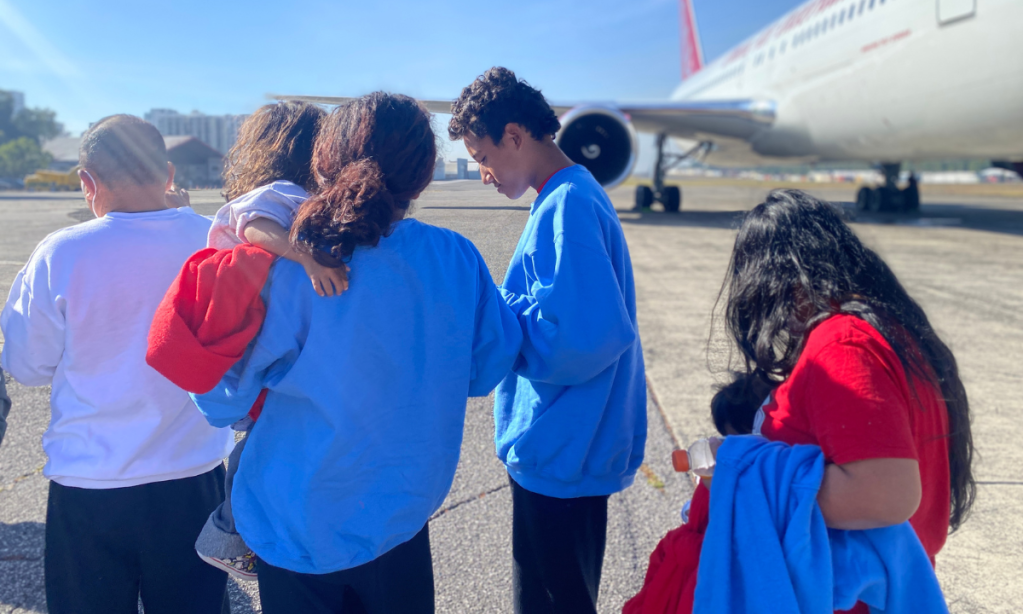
{"x":106,"y":548}
{"x":558,"y":548}
{"x":400,"y":580}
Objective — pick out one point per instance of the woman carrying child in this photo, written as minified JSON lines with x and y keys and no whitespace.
{"x":862,"y":372}
{"x":837,"y":355}
{"x":358,"y":440}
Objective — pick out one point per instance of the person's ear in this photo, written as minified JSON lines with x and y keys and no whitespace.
{"x":88,"y":185}
{"x":514,"y":133}
{"x":170,"y":177}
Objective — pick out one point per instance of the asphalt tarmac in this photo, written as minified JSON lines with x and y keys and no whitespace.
{"x":961,"y":258}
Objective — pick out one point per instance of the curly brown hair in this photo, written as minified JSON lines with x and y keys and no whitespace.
{"x":372,"y":157}
{"x":498,"y":98}
{"x":274,"y":144}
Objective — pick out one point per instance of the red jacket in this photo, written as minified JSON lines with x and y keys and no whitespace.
{"x":208,"y":317}
{"x":671,"y":577}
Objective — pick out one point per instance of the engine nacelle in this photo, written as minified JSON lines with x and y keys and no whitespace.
{"x":602,"y":139}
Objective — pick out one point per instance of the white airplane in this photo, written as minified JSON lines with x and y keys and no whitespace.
{"x":881,"y":81}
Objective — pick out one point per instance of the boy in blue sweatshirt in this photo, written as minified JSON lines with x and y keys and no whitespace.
{"x":571,"y":417}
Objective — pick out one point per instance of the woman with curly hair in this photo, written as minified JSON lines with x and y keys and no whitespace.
{"x":361,"y":429}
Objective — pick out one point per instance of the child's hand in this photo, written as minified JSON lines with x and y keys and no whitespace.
{"x":327,"y":281}
{"x":177,"y":198}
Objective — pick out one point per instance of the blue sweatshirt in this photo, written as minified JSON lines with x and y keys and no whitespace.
{"x":767,"y":549}
{"x":571,"y":417}
{"x":358,"y":440}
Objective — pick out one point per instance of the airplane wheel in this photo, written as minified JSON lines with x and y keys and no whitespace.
{"x":863,"y":199}
{"x":875,"y":200}
{"x":911,"y":200}
{"x":671,"y":198}
{"x":644,"y":197}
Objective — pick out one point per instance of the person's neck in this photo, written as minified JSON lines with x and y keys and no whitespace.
{"x":136,"y":200}
{"x":550,"y":159}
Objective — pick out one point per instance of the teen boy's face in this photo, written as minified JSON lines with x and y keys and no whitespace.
{"x":505,"y":165}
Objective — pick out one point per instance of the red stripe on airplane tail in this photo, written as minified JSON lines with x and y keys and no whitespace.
{"x":692,"y":52}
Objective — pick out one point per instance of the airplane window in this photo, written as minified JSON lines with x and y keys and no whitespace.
{"x":871,"y":5}
{"x":863,"y":3}
{"x":841,"y":18}
{"x":852,"y":11}
{"x":771,"y":54}
{"x":834,"y":20}
{"x":781,"y":49}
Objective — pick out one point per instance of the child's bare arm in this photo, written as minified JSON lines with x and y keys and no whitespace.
{"x":273,"y":237}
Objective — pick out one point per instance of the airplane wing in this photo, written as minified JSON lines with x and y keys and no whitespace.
{"x":433,"y":106}
{"x":736,"y":119}
{"x":596,"y":134}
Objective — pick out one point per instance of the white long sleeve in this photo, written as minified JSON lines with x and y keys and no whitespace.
{"x":33,"y":322}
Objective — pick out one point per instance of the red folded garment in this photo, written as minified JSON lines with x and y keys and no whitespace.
{"x":208,"y":317}
{"x":670,"y":582}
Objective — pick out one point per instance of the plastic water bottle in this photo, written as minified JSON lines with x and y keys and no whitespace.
{"x":699,"y":458}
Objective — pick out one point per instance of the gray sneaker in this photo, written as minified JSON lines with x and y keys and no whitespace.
{"x":242,"y":567}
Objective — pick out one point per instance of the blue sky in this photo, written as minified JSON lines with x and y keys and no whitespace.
{"x":86,"y":60}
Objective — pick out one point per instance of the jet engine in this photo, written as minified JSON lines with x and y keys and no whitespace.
{"x":602,"y":139}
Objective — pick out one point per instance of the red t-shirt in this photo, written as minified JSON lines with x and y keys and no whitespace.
{"x":849,"y":394}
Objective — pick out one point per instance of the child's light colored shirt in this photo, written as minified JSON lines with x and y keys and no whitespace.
{"x":277,"y":202}
{"x":78,"y":318}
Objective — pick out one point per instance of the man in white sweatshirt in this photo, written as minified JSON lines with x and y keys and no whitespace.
{"x":134,"y":468}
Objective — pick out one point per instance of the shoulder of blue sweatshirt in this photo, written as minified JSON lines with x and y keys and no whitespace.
{"x":767,"y":549}
{"x":360,"y":434}
{"x":574,"y":207}
{"x":571,"y":418}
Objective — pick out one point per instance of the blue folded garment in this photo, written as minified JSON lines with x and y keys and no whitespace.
{"x":767,"y":549}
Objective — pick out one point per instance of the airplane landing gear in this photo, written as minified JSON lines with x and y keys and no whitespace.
{"x":888,"y":197}
{"x":669,"y":196}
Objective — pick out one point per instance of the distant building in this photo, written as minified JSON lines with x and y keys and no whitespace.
{"x":63,"y":151}
{"x":462,"y":168}
{"x":19,"y":102}
{"x":439,"y":173}
{"x":218,"y":131}
{"x":196,"y":164}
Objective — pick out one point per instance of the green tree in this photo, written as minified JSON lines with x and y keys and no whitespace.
{"x":22,"y":157}
{"x":37,"y":124}
{"x":6,"y":115}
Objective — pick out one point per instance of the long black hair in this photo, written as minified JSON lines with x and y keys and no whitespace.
{"x":796,"y":264}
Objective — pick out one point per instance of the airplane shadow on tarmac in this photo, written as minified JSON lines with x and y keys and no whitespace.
{"x":971,"y":217}
{"x":695,"y":219}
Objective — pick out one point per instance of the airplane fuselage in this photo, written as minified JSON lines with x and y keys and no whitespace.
{"x":877,"y":80}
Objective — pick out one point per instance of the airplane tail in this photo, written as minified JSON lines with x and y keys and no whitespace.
{"x":692,"y":51}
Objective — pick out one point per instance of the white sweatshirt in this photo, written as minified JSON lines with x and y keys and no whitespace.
{"x":78,"y":318}
{"x":277,"y":202}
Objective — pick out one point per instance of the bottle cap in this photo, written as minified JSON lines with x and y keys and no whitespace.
{"x":680,"y":460}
